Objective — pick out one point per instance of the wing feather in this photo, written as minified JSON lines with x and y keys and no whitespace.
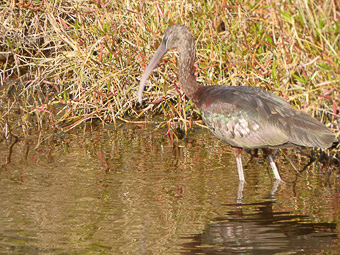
{"x":253,"y":118}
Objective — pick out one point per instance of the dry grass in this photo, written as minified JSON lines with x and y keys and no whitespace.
{"x":65,"y":62}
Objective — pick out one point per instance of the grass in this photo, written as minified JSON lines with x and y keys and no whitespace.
{"x":64,"y":63}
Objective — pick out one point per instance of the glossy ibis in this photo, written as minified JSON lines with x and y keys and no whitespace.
{"x":243,"y":117}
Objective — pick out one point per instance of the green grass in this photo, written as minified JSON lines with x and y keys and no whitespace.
{"x":66,"y":62}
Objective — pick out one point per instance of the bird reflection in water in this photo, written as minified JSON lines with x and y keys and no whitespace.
{"x":262,"y":232}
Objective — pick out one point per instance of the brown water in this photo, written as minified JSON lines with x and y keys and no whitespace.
{"x":131,"y":191}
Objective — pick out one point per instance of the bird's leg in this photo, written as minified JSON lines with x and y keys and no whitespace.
{"x":237,"y":152}
{"x":275,"y":152}
{"x":273,"y":165}
{"x":274,"y":189}
{"x":240,"y":192}
{"x":269,"y":154}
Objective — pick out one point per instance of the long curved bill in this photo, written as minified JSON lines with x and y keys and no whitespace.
{"x":153,"y":63}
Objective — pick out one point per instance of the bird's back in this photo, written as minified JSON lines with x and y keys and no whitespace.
{"x":250,"y":117}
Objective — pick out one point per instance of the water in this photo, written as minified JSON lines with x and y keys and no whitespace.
{"x":132,"y":191}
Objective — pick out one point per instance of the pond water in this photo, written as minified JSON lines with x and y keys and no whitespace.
{"x":132,"y":191}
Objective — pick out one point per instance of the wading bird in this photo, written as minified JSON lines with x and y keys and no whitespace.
{"x":243,"y":117}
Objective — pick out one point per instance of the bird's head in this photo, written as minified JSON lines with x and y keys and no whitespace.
{"x":174,"y":37}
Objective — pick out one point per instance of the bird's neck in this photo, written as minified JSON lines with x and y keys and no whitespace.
{"x":186,"y":71}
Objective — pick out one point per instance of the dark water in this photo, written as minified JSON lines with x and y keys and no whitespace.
{"x":132,"y":191}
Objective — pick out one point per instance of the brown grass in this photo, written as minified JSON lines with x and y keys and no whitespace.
{"x":66,"y":62}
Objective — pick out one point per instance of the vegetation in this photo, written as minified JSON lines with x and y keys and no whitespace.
{"x":66,"y":62}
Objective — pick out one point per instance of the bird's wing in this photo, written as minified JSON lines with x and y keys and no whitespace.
{"x":253,"y":118}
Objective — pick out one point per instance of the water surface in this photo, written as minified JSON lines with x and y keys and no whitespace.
{"x":132,"y":191}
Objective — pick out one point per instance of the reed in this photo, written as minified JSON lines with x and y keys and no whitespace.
{"x":64,"y":63}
